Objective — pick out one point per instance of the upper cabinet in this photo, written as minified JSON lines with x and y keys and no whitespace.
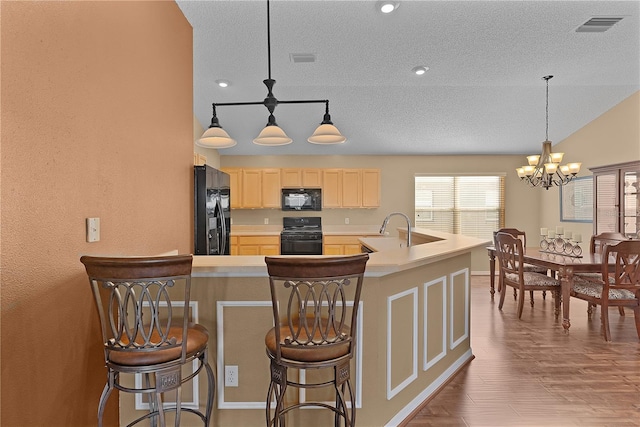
{"x":301,"y":178}
{"x":254,"y":188}
{"x":617,"y":199}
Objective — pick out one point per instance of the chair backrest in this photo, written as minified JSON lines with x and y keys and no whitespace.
{"x":598,"y":241}
{"x":626,"y":266}
{"x":515,"y":233}
{"x":134,"y":305}
{"x":509,"y":251}
{"x":309,"y":297}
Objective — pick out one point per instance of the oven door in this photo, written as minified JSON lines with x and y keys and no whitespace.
{"x":300,"y":245}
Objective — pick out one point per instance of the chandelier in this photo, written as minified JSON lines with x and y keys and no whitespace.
{"x":544,"y":170}
{"x":272,"y":134}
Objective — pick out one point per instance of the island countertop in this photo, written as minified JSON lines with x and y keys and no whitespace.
{"x":390,"y":255}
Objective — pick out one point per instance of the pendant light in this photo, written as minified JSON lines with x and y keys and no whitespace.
{"x":215,"y":136}
{"x":544,"y":170}
{"x":272,"y":134}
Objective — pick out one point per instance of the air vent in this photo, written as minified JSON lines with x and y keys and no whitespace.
{"x":302,"y":57}
{"x":598,"y":24}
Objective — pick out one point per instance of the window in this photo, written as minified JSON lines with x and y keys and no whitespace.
{"x":469,"y":205}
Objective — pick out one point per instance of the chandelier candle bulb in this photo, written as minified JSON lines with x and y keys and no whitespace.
{"x":568,"y":234}
{"x":559,"y":230}
{"x":551,"y":234}
{"x":577,"y":237}
{"x":544,"y":231}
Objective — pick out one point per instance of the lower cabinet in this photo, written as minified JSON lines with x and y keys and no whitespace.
{"x":256,"y":245}
{"x":341,"y":245}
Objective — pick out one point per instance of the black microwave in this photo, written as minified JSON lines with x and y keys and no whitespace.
{"x":301,"y":199}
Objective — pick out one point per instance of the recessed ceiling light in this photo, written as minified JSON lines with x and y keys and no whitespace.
{"x":419,"y":70}
{"x":387,"y":6}
{"x":223,"y":83}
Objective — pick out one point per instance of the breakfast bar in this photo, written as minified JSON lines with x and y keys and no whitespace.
{"x":414,"y":331}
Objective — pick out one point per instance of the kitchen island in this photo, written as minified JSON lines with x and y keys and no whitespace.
{"x":413,"y":329}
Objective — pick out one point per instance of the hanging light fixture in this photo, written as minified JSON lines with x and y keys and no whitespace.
{"x":272,"y":134}
{"x":544,"y":170}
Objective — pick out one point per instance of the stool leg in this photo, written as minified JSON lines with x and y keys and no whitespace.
{"x":212,"y":389}
{"x":277,"y":389}
{"x":342,"y":384}
{"x":106,"y":391}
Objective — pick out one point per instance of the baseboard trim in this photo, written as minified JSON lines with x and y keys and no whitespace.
{"x":413,"y":407}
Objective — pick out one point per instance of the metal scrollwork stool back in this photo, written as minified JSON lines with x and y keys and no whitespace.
{"x":315,"y":309}
{"x":145,"y":333}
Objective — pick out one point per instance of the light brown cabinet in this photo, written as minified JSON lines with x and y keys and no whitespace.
{"x":301,"y":178}
{"x":351,"y":188}
{"x":257,"y":245}
{"x":342,"y":245}
{"x":233,"y":243}
{"x":616,"y":198}
{"x":370,"y":188}
{"x":332,"y":188}
{"x":254,"y":188}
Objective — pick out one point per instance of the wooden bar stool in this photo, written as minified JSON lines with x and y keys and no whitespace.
{"x":311,"y":315}
{"x":145,"y":334}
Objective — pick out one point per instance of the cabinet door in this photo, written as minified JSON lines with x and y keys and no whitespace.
{"x":352,"y":249}
{"x":291,"y":177}
{"x":351,"y":188}
{"x":333,"y":250}
{"x":312,"y":178}
{"x":251,"y":188}
{"x":235,"y":185}
{"x":270,"y":188}
{"x":371,"y":188}
{"x":233,"y":242}
{"x":331,"y":188}
{"x":270,"y":250}
{"x":249,"y":250}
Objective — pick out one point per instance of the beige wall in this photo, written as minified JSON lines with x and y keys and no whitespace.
{"x":97,"y":121}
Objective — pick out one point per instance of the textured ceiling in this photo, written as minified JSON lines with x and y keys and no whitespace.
{"x":483,"y":94}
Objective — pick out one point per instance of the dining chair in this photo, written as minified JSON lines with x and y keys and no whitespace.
{"x":527,"y":267}
{"x":315,"y":310}
{"x":148,"y":336}
{"x":619,"y":285}
{"x":596,"y":246}
{"x":509,"y":251}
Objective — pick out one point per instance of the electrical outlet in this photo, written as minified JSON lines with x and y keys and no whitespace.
{"x":346,"y":221}
{"x":266,"y":220}
{"x":231,"y":376}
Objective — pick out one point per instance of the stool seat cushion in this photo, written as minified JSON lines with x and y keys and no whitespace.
{"x":197,"y":338}
{"x":310,"y":352}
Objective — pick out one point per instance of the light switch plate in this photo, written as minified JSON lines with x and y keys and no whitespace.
{"x":93,"y":230}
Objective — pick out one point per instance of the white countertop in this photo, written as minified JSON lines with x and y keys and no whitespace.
{"x":392,"y":255}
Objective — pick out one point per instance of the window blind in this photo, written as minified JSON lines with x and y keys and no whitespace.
{"x":463,"y":204}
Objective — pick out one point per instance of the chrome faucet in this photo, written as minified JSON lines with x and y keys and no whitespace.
{"x":386,"y":221}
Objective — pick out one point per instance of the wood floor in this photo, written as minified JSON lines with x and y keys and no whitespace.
{"x":528,"y":372}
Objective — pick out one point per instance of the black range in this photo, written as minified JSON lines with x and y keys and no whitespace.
{"x":301,"y":236}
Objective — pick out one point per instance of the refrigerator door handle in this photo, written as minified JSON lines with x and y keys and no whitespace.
{"x":222,"y":240}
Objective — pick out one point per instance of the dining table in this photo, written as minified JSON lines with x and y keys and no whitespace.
{"x":565,"y":266}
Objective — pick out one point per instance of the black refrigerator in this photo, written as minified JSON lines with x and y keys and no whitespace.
{"x":212,"y":211}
